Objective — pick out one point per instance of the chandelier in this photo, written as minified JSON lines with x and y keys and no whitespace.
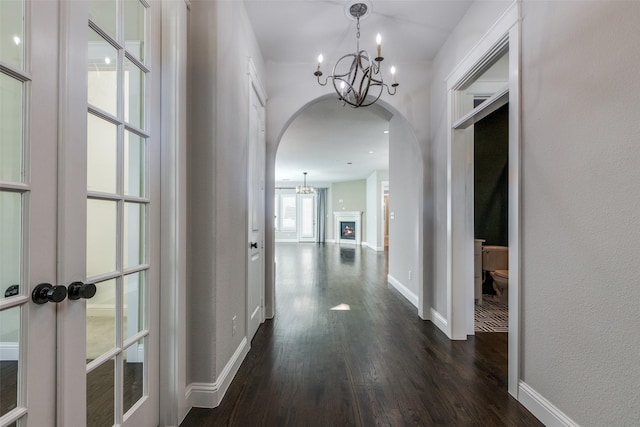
{"x":305,"y":189}
{"x":356,"y":76}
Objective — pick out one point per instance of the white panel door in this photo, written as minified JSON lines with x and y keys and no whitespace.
{"x":256,"y":182}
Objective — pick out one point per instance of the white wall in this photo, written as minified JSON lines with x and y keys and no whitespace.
{"x":405,"y":215}
{"x":580,"y":152}
{"x":349,"y":196}
{"x":221,"y":43}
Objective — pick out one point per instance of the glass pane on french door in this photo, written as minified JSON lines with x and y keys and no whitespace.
{"x":118,"y":206}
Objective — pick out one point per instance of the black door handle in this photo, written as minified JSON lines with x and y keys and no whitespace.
{"x":254,"y":245}
{"x":79,"y":290}
{"x":46,"y":292}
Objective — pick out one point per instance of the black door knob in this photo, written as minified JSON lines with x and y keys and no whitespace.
{"x":46,"y":292}
{"x":79,"y":290}
{"x":254,"y":245}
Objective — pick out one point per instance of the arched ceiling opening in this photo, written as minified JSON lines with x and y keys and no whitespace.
{"x":333,"y":143}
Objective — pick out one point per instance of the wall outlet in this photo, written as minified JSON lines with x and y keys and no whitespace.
{"x":234,"y":326}
{"x":410,"y":274}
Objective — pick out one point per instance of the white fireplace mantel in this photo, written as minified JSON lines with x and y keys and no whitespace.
{"x":348,"y":216}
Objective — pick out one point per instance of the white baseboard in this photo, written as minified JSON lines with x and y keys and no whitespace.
{"x":9,"y":350}
{"x":209,"y":395}
{"x":330,"y":241}
{"x":375,"y":248}
{"x":286,"y":240}
{"x":413,"y":298}
{"x":543,"y":410}
{"x":349,"y":242}
{"x":440,"y":321}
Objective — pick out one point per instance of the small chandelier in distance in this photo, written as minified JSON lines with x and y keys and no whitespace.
{"x":305,"y":189}
{"x":355,"y":75}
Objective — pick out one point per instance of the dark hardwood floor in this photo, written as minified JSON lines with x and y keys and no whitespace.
{"x":376,"y":364}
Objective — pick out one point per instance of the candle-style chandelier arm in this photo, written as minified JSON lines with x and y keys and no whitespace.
{"x":318,"y":74}
{"x":394,"y":86}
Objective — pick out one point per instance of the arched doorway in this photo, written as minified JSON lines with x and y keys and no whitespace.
{"x":409,"y":251}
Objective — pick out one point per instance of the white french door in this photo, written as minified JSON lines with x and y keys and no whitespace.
{"x":79,"y":110}
{"x":307,"y":214}
{"x":28,"y":218}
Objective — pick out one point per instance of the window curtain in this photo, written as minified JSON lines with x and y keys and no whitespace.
{"x":321,"y":194}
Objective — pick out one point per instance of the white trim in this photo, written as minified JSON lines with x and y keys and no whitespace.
{"x":256,"y":82}
{"x":13,"y":416}
{"x":515,"y":202}
{"x":542,"y":409}
{"x":209,"y":395}
{"x":9,"y":351}
{"x":440,"y":321}
{"x":501,"y":27}
{"x":505,"y":32}
{"x":406,"y":292}
{"x":493,"y":103}
{"x":173,"y":163}
{"x":286,"y":240}
{"x":375,"y":248}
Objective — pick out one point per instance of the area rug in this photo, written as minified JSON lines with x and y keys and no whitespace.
{"x":492,"y":315}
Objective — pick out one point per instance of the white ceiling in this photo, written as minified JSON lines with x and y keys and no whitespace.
{"x":325,"y":138}
{"x":298,"y":30}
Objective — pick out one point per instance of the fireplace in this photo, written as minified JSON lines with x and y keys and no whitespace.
{"x":348,"y":230}
{"x":348,"y":227}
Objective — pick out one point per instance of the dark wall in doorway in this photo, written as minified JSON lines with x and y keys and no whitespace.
{"x":491,"y":166}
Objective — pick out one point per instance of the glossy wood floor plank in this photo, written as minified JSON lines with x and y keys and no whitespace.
{"x":376,"y":364}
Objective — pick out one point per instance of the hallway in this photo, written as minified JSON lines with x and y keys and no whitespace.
{"x":346,"y":350}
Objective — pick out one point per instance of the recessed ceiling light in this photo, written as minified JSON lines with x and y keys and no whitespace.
{"x":370,"y":152}
{"x":386,"y":131}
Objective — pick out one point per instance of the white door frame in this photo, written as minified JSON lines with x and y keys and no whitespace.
{"x":173,"y":246}
{"x":459,"y":234}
